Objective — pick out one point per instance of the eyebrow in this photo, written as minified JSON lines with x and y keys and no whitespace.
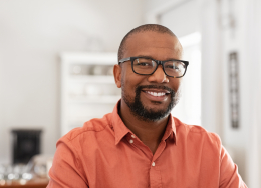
{"x":150,"y":57}
{"x":145,"y":56}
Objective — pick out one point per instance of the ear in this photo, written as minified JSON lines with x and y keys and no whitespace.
{"x":117,"y":75}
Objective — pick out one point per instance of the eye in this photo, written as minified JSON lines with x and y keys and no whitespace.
{"x":144,"y":62}
{"x":170,"y":67}
{"x":174,"y":66}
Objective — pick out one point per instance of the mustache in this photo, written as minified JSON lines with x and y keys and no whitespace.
{"x":140,"y":88}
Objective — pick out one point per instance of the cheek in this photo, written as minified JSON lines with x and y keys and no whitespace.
{"x":131,"y":80}
{"x":128,"y":86}
{"x":175,"y":83}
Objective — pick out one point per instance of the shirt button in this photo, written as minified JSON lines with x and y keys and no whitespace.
{"x":153,"y":164}
{"x":133,"y":136}
{"x":131,"y":141}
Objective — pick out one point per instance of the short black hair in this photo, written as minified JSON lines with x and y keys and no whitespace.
{"x":143,"y":28}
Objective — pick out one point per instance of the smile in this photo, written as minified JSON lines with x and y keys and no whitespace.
{"x":156,"y":94}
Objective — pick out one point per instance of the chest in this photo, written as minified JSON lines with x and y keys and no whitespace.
{"x":130,"y":164}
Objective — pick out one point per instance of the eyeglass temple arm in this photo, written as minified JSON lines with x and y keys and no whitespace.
{"x":123,"y":60}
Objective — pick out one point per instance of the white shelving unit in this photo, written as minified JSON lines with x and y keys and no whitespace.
{"x":87,"y":87}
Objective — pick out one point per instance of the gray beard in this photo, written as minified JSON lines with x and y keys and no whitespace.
{"x":138,"y":109}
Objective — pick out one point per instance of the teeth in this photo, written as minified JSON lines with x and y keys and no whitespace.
{"x":156,"y":94}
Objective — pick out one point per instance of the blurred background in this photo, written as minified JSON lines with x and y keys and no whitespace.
{"x":56,"y":59}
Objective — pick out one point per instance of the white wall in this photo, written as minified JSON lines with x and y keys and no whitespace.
{"x":252,"y":90}
{"x":32,"y":34}
{"x":245,"y":39}
{"x":234,"y":40}
{"x":183,"y":19}
{"x":154,"y":8}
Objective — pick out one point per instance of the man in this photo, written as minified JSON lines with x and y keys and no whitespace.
{"x":140,"y":144}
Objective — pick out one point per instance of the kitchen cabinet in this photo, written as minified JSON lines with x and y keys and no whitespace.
{"x":88,"y":89}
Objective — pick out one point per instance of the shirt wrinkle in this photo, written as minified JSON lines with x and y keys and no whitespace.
{"x":86,"y":128}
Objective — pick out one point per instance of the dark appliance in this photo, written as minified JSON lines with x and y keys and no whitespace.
{"x":25,"y":144}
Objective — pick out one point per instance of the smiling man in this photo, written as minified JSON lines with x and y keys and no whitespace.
{"x":140,"y":144}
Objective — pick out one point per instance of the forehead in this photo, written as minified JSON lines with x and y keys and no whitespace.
{"x":161,"y":46}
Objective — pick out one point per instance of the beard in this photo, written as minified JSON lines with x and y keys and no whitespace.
{"x":139,"y":110}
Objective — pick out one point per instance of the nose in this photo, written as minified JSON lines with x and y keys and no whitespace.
{"x":159,"y":76}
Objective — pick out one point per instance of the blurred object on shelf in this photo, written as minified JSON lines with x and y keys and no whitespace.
{"x":77,"y":69}
{"x":109,"y":71}
{"x":80,"y":69}
{"x":49,"y":163}
{"x":14,"y":175}
{"x":33,"y":183}
{"x":26,"y":144}
{"x":97,"y":70}
{"x":92,"y":89}
{"x":39,"y":165}
{"x":34,"y":173}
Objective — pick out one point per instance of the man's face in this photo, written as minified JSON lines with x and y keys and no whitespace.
{"x":150,"y":97}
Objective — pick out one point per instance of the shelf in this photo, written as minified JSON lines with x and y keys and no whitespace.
{"x":85,"y":92}
{"x":109,"y":99}
{"x":104,"y":58}
{"x":92,"y":79}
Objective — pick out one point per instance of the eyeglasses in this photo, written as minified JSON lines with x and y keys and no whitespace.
{"x":147,"y":66}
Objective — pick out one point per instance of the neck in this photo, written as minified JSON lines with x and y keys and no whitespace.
{"x":149,"y":132}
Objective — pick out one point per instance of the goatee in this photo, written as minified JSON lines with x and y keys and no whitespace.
{"x":138,"y":109}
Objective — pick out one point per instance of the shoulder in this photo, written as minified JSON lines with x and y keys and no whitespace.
{"x":89,"y":129}
{"x":196,"y":133}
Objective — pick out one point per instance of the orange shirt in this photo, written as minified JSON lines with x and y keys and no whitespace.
{"x":105,"y":153}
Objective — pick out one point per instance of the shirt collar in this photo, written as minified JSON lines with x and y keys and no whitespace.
{"x":170,"y":131}
{"x":120,"y":130}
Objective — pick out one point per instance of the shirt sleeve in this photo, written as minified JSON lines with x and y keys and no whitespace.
{"x":229,"y":176}
{"x":66,"y":170}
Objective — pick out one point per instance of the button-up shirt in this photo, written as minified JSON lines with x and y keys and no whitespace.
{"x":105,"y":153}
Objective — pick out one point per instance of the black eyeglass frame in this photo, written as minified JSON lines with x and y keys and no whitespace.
{"x":158,"y":63}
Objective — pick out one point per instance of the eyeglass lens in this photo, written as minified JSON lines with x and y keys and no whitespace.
{"x":148,"y":66}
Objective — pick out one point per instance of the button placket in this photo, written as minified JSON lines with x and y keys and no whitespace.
{"x":155,"y":176}
{"x":136,"y":143}
{"x":131,"y":140}
{"x":133,"y":136}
